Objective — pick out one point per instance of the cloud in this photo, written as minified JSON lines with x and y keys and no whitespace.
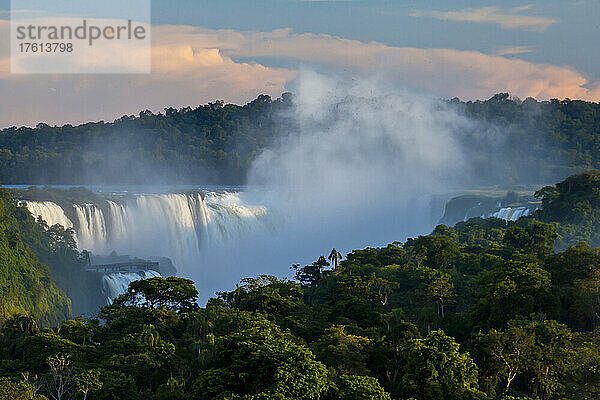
{"x":522,"y":8}
{"x":192,"y":65}
{"x":446,"y":72}
{"x":513,"y":50}
{"x":186,"y":70}
{"x":493,"y":15}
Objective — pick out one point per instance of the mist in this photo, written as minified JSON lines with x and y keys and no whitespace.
{"x":360,"y":170}
{"x":352,"y":163}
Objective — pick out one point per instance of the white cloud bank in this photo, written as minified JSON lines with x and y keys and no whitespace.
{"x":513,"y":50}
{"x":510,"y":19}
{"x":194,"y":65}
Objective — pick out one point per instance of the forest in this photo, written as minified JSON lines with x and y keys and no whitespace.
{"x":541,"y":142}
{"x":487,"y":309}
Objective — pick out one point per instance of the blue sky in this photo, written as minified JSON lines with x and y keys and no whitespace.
{"x":236,"y":49}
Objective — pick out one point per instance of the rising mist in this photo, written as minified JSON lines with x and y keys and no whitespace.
{"x":361,"y":169}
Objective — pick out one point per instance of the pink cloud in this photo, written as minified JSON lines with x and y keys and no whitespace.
{"x":194,"y":65}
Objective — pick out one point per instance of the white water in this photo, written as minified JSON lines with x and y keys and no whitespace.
{"x":179,"y":226}
{"x":91,"y":228}
{"x":50,"y":212}
{"x":221,"y":238}
{"x":114,"y":285}
{"x":511,"y":213}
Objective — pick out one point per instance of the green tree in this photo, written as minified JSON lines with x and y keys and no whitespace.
{"x":261,"y":362}
{"x":516,"y":288}
{"x":503,"y":356}
{"x":335,"y":257}
{"x":346,"y":353}
{"x":311,"y":274}
{"x":88,"y":381}
{"x":353,"y":387}
{"x":172,"y":293}
{"x":441,"y":291}
{"x":436,"y":369}
{"x":11,"y":390}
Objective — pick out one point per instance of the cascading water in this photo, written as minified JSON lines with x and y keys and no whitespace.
{"x":511,"y":213}
{"x":92,"y":226}
{"x":214,"y":239}
{"x":114,"y":285}
{"x":226,"y":218}
{"x":50,"y":212}
{"x":178,"y":226}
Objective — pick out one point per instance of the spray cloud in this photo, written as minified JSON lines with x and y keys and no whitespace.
{"x":360,"y":170}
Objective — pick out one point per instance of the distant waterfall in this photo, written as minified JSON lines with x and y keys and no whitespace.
{"x":50,"y":212}
{"x":114,"y":285}
{"x":511,"y":213}
{"x":177,"y":226}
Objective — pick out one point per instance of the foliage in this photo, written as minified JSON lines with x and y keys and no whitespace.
{"x":352,"y":387}
{"x":11,"y":390}
{"x":436,"y":369}
{"x":172,"y":293}
{"x":27,"y":286}
{"x":217,"y":143}
{"x":574,"y":206}
{"x":481,"y":310}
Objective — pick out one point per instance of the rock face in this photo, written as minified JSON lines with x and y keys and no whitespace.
{"x":510,"y":207}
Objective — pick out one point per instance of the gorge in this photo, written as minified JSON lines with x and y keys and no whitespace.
{"x":196,"y":228}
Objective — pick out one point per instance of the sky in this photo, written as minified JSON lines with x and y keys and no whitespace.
{"x":237,"y":49}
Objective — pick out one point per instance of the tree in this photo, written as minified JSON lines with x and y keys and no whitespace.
{"x":259,"y":361}
{"x":172,"y":293}
{"x":437,"y":251}
{"x":436,"y":370}
{"x":504,"y":354}
{"x":10,"y":390}
{"x":353,"y":387}
{"x":549,"y":359}
{"x":382,"y":288}
{"x":62,"y":379}
{"x":335,"y":258}
{"x":536,"y":238}
{"x":516,"y":288}
{"x":587,"y":297}
{"x":266,"y":293}
{"x":88,"y":381}
{"x":442,"y":292}
{"x":311,"y":274}
{"x":345,"y":353}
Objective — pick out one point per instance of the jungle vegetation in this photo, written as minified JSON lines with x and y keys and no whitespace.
{"x":509,"y":141}
{"x":487,"y":309}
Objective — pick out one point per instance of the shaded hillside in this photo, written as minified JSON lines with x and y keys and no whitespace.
{"x":574,"y":205}
{"x":26,"y":285}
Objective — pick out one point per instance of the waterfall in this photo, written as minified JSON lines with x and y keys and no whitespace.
{"x":92,"y":226}
{"x":177,"y":226}
{"x":50,"y":212}
{"x":114,"y":285}
{"x":511,"y":213}
{"x":227,"y":217}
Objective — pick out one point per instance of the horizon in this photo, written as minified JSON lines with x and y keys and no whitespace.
{"x":162,"y":111}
